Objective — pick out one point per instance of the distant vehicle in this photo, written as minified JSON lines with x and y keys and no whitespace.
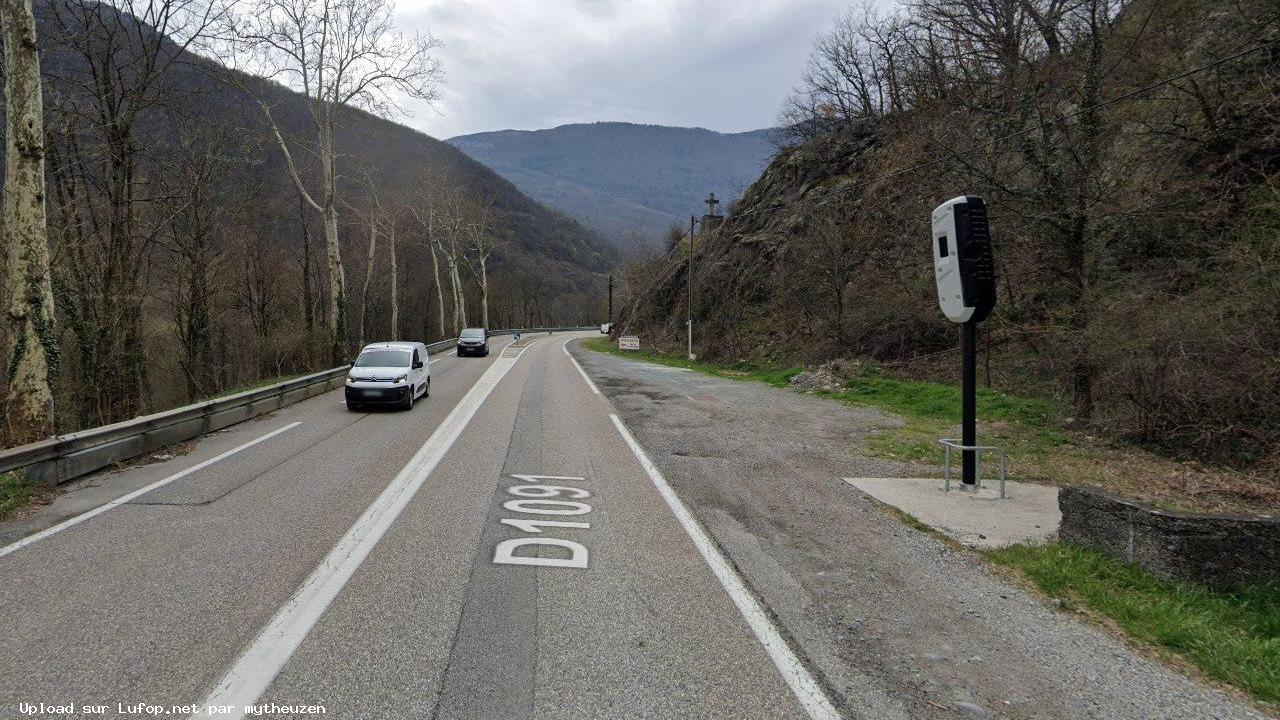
{"x":605,"y":328}
{"x":389,"y":373}
{"x":473,"y":341}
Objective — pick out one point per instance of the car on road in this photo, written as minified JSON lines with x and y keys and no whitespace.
{"x":389,"y":373}
{"x":473,"y":341}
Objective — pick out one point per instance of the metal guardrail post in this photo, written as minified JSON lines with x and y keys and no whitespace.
{"x":50,"y":460}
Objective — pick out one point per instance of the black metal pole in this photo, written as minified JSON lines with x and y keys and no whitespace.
{"x":610,"y":300}
{"x":969,"y":434}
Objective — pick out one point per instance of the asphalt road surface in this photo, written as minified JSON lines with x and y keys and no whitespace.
{"x":538,"y":539}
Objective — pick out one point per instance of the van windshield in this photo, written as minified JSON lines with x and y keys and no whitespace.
{"x":383,"y":358}
{"x":472,"y":333}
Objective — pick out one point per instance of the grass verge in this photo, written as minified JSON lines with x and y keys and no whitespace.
{"x":775,"y":376}
{"x":1041,"y":447}
{"x":16,"y":492}
{"x":1232,"y":637}
{"x":1023,"y":426}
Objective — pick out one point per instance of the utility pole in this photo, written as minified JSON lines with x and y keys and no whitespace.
{"x":689,"y":289}
{"x":611,"y":301}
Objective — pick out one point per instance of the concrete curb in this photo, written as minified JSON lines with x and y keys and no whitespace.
{"x":1222,"y":551}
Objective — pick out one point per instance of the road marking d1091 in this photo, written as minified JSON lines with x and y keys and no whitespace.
{"x":538,"y":498}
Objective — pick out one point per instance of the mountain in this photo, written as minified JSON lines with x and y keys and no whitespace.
{"x":540,"y":238}
{"x":188,"y":265}
{"x":628,"y":182}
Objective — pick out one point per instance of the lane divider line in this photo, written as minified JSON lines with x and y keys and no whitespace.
{"x":258,"y":666}
{"x":807,"y":690}
{"x":565,"y":347}
{"x":28,"y":540}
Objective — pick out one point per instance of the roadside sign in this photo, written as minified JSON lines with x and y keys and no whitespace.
{"x":629,"y":342}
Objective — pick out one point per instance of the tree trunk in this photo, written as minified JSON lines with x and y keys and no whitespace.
{"x":368,"y":278}
{"x":337,"y":285}
{"x":333,"y":252}
{"x":308,"y":309}
{"x":459,"y":300}
{"x":395,"y":290}
{"x":33,"y":348}
{"x":435,"y":272}
{"x":484,"y":293}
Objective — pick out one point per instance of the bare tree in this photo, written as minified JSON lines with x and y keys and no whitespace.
{"x":339,"y":54}
{"x":371,"y":223}
{"x":855,"y":72}
{"x":426,"y":219}
{"x":308,"y":306}
{"x":118,"y":74}
{"x":451,"y":242}
{"x":33,"y":344}
{"x":198,"y":175}
{"x":483,"y":242}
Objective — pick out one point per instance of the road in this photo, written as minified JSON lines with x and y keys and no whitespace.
{"x":544,"y":537}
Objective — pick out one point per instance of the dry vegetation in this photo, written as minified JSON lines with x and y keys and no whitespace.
{"x":208,"y":228}
{"x":1136,"y":240}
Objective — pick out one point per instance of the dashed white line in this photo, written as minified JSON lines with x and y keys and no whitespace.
{"x":136,"y":493}
{"x":807,"y":690}
{"x":565,"y":347}
{"x":255,"y":669}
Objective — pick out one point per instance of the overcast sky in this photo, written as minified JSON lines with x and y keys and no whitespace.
{"x":726,"y":65}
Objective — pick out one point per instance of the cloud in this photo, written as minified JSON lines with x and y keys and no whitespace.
{"x":526,"y":64}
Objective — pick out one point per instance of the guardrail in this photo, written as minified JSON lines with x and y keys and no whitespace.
{"x":66,"y":457}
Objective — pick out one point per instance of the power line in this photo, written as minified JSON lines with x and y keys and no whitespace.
{"x":945,"y":158}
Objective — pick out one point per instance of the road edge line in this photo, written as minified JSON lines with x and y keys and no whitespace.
{"x":803,"y":685}
{"x":257,"y":667}
{"x":94,"y":512}
{"x":565,"y":347}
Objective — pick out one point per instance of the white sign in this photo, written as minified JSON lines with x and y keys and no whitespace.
{"x":629,"y":342}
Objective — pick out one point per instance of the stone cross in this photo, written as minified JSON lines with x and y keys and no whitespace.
{"x":712,"y":202}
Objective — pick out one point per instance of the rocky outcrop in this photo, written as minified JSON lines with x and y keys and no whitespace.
{"x":743,"y":306}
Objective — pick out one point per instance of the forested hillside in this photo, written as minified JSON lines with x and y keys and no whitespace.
{"x":1130,"y":156}
{"x":185,"y":262}
{"x":628,"y":182}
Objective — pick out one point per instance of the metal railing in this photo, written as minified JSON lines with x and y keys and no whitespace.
{"x":65,"y":457}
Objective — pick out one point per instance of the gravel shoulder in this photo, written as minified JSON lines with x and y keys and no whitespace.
{"x":895,"y":621}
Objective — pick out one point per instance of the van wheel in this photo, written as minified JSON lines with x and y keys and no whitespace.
{"x":408,"y":403}
{"x":427,"y":393}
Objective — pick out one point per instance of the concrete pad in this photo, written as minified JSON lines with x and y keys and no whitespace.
{"x":1029,"y":514}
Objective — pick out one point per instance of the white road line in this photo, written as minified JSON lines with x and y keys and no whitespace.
{"x":142,"y":491}
{"x":254,"y":671}
{"x":583,"y":373}
{"x":806,"y":688}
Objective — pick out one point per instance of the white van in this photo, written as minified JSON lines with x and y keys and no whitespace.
{"x":389,"y":373}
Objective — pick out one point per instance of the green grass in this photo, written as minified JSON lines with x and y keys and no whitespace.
{"x":1040,"y":447}
{"x":1024,"y":427}
{"x":940,"y":402}
{"x":254,"y":385}
{"x":1233,"y":637}
{"x":775,"y":376}
{"x":15,"y":492}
